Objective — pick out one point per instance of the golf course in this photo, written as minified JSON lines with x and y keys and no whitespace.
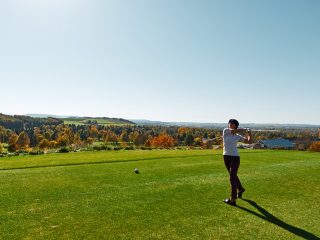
{"x":177,"y":194}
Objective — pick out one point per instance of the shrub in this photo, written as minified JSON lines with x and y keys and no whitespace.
{"x":64,"y":150}
{"x":145,"y":148}
{"x":36,"y":152}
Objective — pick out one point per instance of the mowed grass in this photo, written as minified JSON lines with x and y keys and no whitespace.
{"x":178,"y":195}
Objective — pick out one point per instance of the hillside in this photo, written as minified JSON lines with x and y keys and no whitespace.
{"x":87,"y":120}
{"x":99,"y":121}
{"x":20,"y":122}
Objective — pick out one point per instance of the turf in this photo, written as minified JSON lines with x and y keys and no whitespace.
{"x":178,"y":195}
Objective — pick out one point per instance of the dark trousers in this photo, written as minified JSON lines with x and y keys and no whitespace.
{"x":232,"y":164}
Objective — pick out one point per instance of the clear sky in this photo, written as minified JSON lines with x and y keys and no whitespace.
{"x":167,"y":60}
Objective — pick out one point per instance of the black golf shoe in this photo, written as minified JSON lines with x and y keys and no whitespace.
{"x":240,"y":193}
{"x":228,"y":201}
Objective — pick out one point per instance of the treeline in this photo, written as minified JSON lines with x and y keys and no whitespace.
{"x":18,"y":123}
{"x":55,"y":136}
{"x":77,"y":136}
{"x":23,"y":133}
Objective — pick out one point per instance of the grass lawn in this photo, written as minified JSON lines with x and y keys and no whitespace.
{"x":178,"y":195}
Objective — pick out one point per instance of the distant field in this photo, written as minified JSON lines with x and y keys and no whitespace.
{"x":178,"y":195}
{"x":99,"y":121}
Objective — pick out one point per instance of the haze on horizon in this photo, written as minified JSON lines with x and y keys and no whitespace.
{"x":181,"y":61}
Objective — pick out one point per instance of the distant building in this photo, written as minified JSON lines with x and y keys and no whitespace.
{"x":279,"y":143}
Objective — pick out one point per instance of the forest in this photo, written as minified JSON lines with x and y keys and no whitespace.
{"x":24,"y":134}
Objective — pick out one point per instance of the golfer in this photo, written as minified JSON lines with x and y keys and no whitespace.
{"x":231,"y":136}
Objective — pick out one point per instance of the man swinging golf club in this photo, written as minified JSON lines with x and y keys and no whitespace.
{"x":231,"y":136}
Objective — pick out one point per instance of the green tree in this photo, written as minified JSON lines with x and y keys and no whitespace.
{"x":189,"y":140}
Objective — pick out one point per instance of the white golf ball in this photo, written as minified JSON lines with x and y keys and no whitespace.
{"x":136,"y":170}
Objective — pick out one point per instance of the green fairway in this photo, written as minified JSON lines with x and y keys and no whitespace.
{"x":178,"y":195}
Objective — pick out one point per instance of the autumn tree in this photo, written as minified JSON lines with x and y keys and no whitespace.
{"x":198,"y":141}
{"x":53,"y":144}
{"x":90,"y":140}
{"x":110,"y":136}
{"x":124,"y":137}
{"x":315,"y":146}
{"x":148,"y":142}
{"x":37,"y":135}
{"x":62,"y":140}
{"x":48,"y":134}
{"x":4,"y":134}
{"x":23,"y":141}
{"x":12,"y":142}
{"x":133,"y":136}
{"x":162,"y":141}
{"x":65,"y":137}
{"x":44,"y":144}
{"x":93,"y":132}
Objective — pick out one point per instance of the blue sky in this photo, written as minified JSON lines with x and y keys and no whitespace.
{"x":201,"y":61}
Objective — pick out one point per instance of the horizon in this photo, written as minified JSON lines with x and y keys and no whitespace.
{"x":170,"y":61}
{"x":162,"y":121}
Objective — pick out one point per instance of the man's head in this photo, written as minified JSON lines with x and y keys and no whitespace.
{"x":233,"y":124}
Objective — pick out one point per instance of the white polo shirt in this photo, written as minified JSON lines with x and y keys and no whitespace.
{"x":230,"y":142}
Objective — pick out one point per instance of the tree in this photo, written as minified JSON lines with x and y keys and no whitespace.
{"x":133,"y":136}
{"x":110,"y":136}
{"x":12,"y":142}
{"x":90,"y":140}
{"x":23,"y":141}
{"x":198,"y":141}
{"x":3,"y":134}
{"x":189,"y":140}
{"x":53,"y":144}
{"x":315,"y":147}
{"x":44,"y":144}
{"x":62,"y":140}
{"x":124,"y":136}
{"x":48,"y":134}
{"x":162,"y":140}
{"x":93,"y":131}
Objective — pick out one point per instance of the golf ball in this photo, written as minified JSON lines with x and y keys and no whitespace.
{"x":136,"y":170}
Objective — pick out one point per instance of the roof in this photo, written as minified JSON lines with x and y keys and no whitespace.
{"x":277,"y":143}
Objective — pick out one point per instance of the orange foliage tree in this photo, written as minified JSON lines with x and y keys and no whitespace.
{"x":315,"y":146}
{"x":162,"y":140}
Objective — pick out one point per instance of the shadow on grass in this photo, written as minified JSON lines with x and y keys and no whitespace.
{"x":265,"y":215}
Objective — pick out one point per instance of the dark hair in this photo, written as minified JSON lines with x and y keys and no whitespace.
{"x":234,"y":121}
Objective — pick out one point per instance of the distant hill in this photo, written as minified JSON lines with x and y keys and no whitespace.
{"x":47,"y":115}
{"x":261,"y":126}
{"x":21,"y":122}
{"x":87,"y":120}
{"x":96,"y":120}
